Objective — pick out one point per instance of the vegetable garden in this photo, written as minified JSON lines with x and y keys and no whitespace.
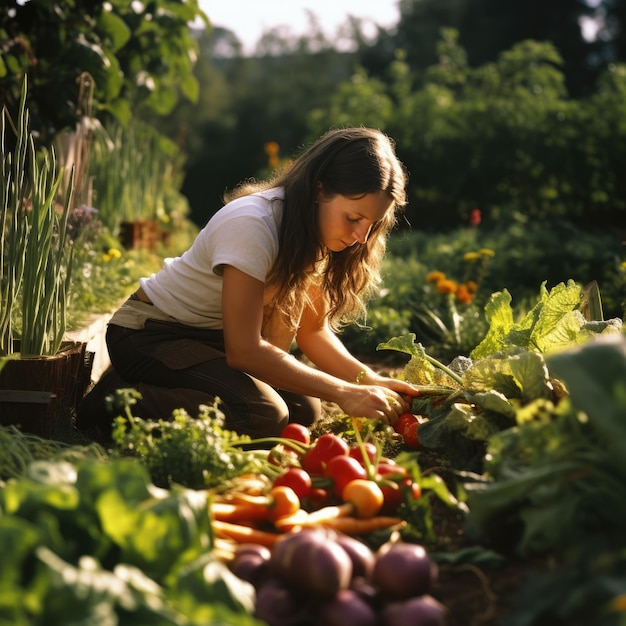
{"x":499,"y":500}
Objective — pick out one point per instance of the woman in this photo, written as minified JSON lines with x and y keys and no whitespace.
{"x":284,"y":262}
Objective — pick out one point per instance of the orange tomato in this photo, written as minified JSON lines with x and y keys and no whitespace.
{"x":283,"y":502}
{"x":365,"y":496}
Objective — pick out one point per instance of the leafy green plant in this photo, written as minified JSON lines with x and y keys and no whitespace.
{"x":507,"y":370}
{"x":196,"y":452}
{"x":554,"y":484}
{"x":35,"y":253}
{"x":96,"y":542}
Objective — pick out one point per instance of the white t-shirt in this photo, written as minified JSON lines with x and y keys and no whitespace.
{"x":244,"y":234}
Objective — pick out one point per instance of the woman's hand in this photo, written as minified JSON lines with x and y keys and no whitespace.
{"x":374,"y":402}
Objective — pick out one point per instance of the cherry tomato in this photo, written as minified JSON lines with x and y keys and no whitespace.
{"x":323,"y":450}
{"x":410,"y":436}
{"x":403,"y":422}
{"x":393,"y":497}
{"x":392,"y":480}
{"x":284,"y":501}
{"x":342,"y":469}
{"x":296,"y":432}
{"x":370,"y":449}
{"x":365,"y":495}
{"x":318,"y":497}
{"x":298,"y":479}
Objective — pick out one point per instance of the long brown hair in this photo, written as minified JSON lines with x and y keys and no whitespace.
{"x":349,"y":162}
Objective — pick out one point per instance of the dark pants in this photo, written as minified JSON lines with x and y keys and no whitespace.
{"x":175,"y":366}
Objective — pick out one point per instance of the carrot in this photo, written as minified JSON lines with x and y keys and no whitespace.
{"x":329,"y":513}
{"x":362,"y":526}
{"x":290,"y":522}
{"x":231,"y":512}
{"x":244,"y":534}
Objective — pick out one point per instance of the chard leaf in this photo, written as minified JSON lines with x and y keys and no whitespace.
{"x":499,"y":316}
{"x":562,"y":299}
{"x":494,"y":402}
{"x":492,"y":374}
{"x":560,"y":336}
{"x":532,"y":376}
{"x":404,"y":343}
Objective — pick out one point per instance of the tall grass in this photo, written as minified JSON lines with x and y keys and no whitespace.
{"x":35,"y":254}
{"x":132,"y":169}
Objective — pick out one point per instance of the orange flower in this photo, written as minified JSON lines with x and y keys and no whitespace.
{"x":472,"y":287}
{"x":271,"y":148}
{"x":435,"y":277}
{"x":447,"y":286}
{"x":463,"y":295}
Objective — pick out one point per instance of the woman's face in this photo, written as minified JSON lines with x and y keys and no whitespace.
{"x":345,"y":221}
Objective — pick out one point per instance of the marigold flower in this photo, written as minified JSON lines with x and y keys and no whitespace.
{"x":463,"y":295}
{"x":114,"y":253}
{"x":447,"y":286}
{"x":471,"y":257}
{"x":486,"y":252}
{"x":618,"y":604}
{"x":435,"y":277}
{"x":472,"y":286}
{"x":271,"y":148}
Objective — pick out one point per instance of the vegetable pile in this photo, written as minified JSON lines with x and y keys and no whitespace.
{"x":184,"y":522}
{"x":318,"y":576}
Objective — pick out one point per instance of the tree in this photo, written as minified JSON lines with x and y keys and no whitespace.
{"x":488,"y":27}
{"x":139,"y":56}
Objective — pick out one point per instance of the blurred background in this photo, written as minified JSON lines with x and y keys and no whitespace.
{"x":510,"y":117}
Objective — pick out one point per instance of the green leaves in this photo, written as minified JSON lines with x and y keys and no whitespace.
{"x":96,"y":541}
{"x":554,"y":322}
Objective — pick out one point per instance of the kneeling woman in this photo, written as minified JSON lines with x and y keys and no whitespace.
{"x":284,"y":262}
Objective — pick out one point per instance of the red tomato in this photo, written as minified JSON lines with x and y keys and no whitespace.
{"x":342,"y":470}
{"x":393,"y":480}
{"x":370,"y":449}
{"x":391,"y":470}
{"x":410,"y":436}
{"x":393,"y":497}
{"x":403,"y":422}
{"x":323,"y":450}
{"x":318,"y":497}
{"x":397,"y":487}
{"x":296,"y":432}
{"x":296,"y":478}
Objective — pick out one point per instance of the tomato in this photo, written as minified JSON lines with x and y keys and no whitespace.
{"x":323,"y":450}
{"x":403,"y":422}
{"x":410,"y":436}
{"x":370,"y":449}
{"x":342,"y":469}
{"x":396,"y":484}
{"x":296,"y":432}
{"x":365,"y":495}
{"x":318,"y":497}
{"x":298,"y":479}
{"x":284,"y":501}
{"x":393,"y":497}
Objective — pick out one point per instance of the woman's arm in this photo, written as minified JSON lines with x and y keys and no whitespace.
{"x":318,"y":342}
{"x":246,"y":350}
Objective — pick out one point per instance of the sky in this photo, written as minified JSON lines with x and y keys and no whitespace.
{"x":248,"y":19}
